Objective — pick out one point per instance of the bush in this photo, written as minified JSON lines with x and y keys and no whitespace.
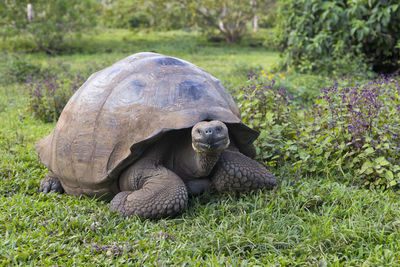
{"x":47,"y":98}
{"x":51,"y":21}
{"x":351,"y":131}
{"x":18,"y":68}
{"x":266,"y":107}
{"x":339,"y":37}
{"x":139,"y":20}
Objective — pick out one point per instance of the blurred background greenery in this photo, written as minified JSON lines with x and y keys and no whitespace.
{"x":312,"y":36}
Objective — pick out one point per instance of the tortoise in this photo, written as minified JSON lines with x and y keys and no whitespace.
{"x":147,"y":133}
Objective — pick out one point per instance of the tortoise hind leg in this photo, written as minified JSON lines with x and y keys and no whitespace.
{"x":237,"y":172}
{"x":51,"y":184}
{"x":152,"y":193}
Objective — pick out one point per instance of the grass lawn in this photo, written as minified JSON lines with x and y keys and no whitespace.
{"x":305,"y":221}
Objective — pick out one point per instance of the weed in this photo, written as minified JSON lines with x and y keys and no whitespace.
{"x":47,"y":98}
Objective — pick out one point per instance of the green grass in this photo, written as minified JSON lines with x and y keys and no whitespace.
{"x":305,"y":221}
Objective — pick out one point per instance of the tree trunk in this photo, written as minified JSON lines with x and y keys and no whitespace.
{"x":255,"y":23}
{"x":30,"y":14}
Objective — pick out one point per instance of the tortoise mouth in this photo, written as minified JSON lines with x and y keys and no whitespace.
{"x":211,"y":146}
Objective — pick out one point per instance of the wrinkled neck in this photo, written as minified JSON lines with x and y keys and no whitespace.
{"x":205,"y":162}
{"x":191,"y":164}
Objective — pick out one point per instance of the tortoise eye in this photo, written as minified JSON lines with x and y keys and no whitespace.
{"x":198,"y":131}
{"x":218,"y":129}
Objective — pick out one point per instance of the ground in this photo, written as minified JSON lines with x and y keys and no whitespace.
{"x":305,"y":221}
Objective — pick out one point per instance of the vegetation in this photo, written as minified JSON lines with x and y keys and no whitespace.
{"x":17,"y":69}
{"x":332,"y":141}
{"x":229,"y":18}
{"x":338,"y":37}
{"x":351,"y":131}
{"x":47,"y":23}
{"x":47,"y":98}
{"x":218,"y":20}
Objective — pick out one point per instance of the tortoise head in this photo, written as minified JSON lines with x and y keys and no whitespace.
{"x":210,"y":137}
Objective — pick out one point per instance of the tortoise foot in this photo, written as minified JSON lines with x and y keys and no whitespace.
{"x":163,"y":195}
{"x":130,"y":203}
{"x":237,"y":172}
{"x":51,"y":184}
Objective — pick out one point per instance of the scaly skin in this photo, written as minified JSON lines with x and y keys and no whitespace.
{"x":150,"y":191}
{"x":237,"y":172}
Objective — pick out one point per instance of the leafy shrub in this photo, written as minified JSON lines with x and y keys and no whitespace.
{"x":340,"y":36}
{"x":47,"y":98}
{"x":17,"y":44}
{"x":17,"y":68}
{"x":139,"y":20}
{"x":268,"y":19}
{"x":351,"y":131}
{"x":354,"y":129}
{"x":266,"y":107}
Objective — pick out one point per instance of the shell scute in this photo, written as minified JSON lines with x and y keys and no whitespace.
{"x":169,"y":61}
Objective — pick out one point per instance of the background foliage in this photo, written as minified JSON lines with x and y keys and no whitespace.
{"x":338,"y":37}
{"x":51,"y":23}
{"x":228,"y":19}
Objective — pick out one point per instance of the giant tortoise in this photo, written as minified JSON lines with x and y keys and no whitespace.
{"x":147,"y":132}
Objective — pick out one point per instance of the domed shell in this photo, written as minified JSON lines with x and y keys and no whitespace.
{"x":120,"y":110}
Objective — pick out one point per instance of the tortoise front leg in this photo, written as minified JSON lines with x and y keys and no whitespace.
{"x":237,"y":172}
{"x":152,"y":193}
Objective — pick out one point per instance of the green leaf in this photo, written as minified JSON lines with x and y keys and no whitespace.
{"x":318,"y":151}
{"x":269,"y":116}
{"x":369,"y":151}
{"x":381,"y":161}
{"x":367,"y":165}
{"x":389,"y":175}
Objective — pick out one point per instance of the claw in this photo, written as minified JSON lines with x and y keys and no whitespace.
{"x":46,"y":187}
{"x":51,"y":184}
{"x":57,"y":188}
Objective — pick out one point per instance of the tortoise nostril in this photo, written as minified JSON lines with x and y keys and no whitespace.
{"x":208,"y":131}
